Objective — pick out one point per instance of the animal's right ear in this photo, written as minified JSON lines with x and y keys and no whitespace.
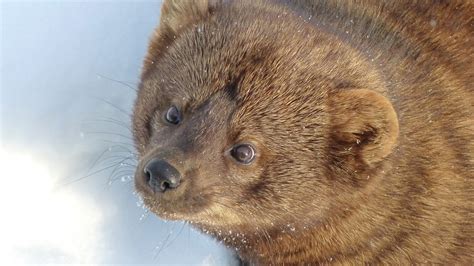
{"x":364,"y":129}
{"x":176,"y":16}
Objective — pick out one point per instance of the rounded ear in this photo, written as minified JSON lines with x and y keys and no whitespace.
{"x":176,"y":15}
{"x":364,"y":127}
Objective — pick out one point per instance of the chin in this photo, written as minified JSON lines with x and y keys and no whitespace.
{"x":180,"y":203}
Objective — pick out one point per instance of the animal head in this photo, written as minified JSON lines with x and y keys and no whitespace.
{"x":247,"y":115}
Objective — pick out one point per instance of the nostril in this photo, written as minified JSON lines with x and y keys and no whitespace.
{"x":165,"y":185}
{"x":147,"y":175}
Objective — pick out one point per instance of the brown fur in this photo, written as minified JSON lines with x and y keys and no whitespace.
{"x":361,"y":113}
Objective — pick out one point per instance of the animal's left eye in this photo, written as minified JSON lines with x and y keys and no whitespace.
{"x":173,"y":115}
{"x":243,"y":153}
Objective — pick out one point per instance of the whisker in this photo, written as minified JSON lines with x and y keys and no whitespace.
{"x":115,"y":122}
{"x":109,"y":133}
{"x":115,"y":106}
{"x":96,"y":161}
{"x":120,"y":157}
{"x":110,"y":149}
{"x":116,"y":174}
{"x":122,"y":145}
{"x":59,"y":185}
{"x":170,"y":232}
{"x":125,"y":175}
{"x":115,"y":119}
{"x":101,"y":158}
{"x":118,"y":81}
{"x":176,"y":236}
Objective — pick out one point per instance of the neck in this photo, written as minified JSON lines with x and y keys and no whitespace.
{"x":352,"y":233}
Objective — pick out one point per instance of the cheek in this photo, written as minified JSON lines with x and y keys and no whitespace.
{"x":208,"y":174}
{"x":246,"y":185}
{"x":297,"y":183}
{"x":230,"y":185}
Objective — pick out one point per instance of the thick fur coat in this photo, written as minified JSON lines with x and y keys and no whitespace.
{"x":360,"y":113}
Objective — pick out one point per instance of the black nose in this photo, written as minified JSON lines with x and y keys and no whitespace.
{"x":161,"y":175}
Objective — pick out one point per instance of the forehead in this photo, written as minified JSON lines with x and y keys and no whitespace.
{"x":213,"y":57}
{"x":267,"y":74}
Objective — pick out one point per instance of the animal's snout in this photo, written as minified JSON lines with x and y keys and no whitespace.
{"x":161,"y":176}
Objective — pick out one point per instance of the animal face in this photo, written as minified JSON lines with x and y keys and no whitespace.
{"x":235,"y":118}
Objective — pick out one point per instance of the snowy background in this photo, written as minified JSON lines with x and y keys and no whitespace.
{"x":66,"y":159}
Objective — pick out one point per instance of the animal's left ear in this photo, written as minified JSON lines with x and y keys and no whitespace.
{"x":177,"y":16}
{"x":364,"y":127}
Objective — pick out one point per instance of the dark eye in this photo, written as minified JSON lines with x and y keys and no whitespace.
{"x":173,"y":115}
{"x":243,"y":153}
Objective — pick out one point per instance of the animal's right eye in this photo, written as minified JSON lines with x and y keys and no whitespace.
{"x":243,"y":153}
{"x":173,"y":116}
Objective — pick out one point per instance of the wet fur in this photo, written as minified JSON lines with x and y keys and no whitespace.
{"x":361,"y":112}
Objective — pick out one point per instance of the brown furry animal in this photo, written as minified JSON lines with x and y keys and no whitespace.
{"x":331,"y":131}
